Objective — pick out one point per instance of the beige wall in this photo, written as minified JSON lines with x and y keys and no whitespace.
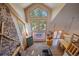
{"x":19,"y":10}
{"x":55,"y":11}
{"x":67,"y":19}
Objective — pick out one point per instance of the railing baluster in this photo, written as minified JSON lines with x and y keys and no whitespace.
{"x":8,"y":39}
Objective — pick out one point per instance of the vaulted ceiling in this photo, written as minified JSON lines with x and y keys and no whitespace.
{"x":19,"y":8}
{"x":24,"y":5}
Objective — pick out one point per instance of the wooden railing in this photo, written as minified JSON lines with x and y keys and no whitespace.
{"x":73,"y":48}
{"x":8,"y":39}
{"x":16,"y":51}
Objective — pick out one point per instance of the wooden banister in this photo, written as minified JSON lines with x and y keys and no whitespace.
{"x":2,"y":35}
{"x":7,"y":37}
{"x":16,"y":51}
{"x":76,"y":34}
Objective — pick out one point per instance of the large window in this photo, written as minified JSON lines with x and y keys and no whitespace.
{"x":38,"y":23}
{"x":38,"y":15}
{"x":38,"y":12}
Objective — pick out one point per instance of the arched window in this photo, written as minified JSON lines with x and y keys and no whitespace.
{"x":38,"y":17}
{"x":38,"y":12}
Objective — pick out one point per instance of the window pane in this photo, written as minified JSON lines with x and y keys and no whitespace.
{"x":42,"y":25}
{"x":38,"y":12}
{"x":38,"y":24}
{"x":34,"y":25}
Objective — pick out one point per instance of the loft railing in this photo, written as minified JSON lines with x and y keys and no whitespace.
{"x":7,"y":38}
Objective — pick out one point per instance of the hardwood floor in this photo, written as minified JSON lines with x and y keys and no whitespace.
{"x":36,"y":50}
{"x":57,"y":51}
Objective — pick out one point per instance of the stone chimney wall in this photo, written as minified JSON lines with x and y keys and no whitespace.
{"x":7,"y":47}
{"x":9,"y":27}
